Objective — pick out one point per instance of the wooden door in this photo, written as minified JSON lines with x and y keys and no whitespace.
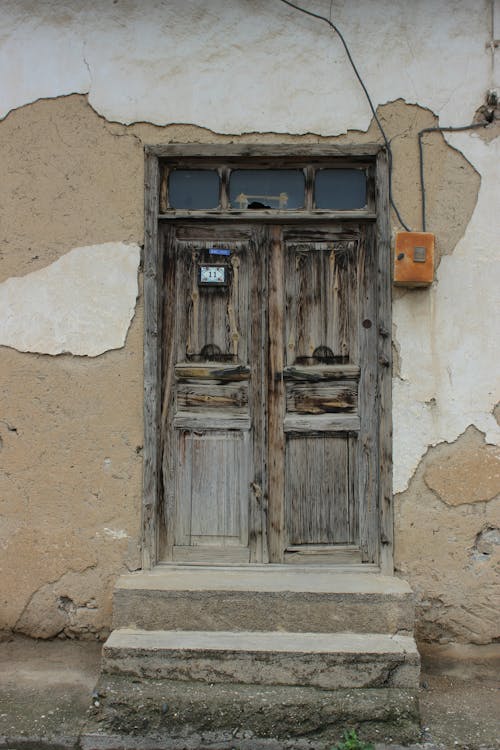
{"x":269,"y":428}
{"x":323,"y":450}
{"x":213,"y":427}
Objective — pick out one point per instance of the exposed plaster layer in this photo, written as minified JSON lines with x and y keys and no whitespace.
{"x":450,"y":552}
{"x":82,"y":303}
{"x":74,"y":604}
{"x":448,"y":335}
{"x":450,"y":478}
{"x":235,"y":68}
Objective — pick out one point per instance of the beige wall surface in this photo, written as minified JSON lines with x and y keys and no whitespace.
{"x":71,"y":329}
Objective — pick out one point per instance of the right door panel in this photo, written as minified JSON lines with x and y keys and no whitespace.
{"x":329,"y":374}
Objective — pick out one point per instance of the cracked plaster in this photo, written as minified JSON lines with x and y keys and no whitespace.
{"x":169,"y":64}
{"x":448,"y":340}
{"x":447,"y":542}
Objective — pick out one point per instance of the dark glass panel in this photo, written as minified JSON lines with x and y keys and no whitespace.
{"x":340,"y":189}
{"x":267,"y":188}
{"x":193,"y":188}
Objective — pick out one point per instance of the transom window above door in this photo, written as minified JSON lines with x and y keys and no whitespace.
{"x":274,"y":189}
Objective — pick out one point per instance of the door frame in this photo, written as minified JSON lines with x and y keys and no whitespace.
{"x":152,"y":522}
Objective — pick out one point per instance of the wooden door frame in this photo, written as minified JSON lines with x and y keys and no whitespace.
{"x":151,"y":520}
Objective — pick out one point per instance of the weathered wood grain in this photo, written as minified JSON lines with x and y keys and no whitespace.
{"x":221,"y":151}
{"x":218,"y":373}
{"x":212,"y":488}
{"x":211,"y":397}
{"x":152,"y":374}
{"x":317,"y":490}
{"x":276,"y":400}
{"x":167,"y":507}
{"x":309,"y":423}
{"x":384,"y":299}
{"x":323,"y":554}
{"x":321,"y":373}
{"x":271,"y":216}
{"x":207,"y":427}
{"x":197,"y":420}
{"x":322,"y":399}
{"x":367,"y":458}
{"x":211,"y":554}
{"x":258,"y":355}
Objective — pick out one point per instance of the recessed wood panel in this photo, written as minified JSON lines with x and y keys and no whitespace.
{"x":210,"y":397}
{"x":212,"y":497}
{"x":321,"y":302}
{"x":326,"y":399}
{"x":212,"y":319}
{"x":318,"y":490}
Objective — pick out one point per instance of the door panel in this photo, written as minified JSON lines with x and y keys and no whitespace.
{"x":270,"y":445}
{"x":321,"y":297}
{"x":212,"y":490}
{"x":208,"y":450}
{"x":327,"y":298}
{"x":318,"y":490}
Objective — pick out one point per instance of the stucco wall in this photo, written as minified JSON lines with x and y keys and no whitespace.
{"x":75,"y":82}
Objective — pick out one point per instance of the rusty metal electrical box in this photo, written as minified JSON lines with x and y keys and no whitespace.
{"x":414,"y":259}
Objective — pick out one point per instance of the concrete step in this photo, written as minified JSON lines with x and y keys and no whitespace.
{"x":136,"y":714}
{"x":323,"y":660}
{"x":263,"y":598}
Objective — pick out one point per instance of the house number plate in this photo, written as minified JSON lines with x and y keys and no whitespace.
{"x":213,"y":275}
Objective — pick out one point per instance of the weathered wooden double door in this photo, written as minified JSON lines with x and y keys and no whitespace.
{"x":269,"y":427}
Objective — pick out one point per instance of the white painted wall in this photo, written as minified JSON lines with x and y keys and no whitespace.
{"x":239,"y":66}
{"x":82,"y":303}
{"x":449,"y":334}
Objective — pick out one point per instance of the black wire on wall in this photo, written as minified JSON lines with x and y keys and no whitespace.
{"x":365,"y":90}
{"x":375,"y":116}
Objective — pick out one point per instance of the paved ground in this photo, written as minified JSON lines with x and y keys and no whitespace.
{"x":46,"y":687}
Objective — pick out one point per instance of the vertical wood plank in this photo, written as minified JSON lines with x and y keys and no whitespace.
{"x":384,"y":270}
{"x":168,"y":444}
{"x":353,"y":489}
{"x":276,"y":399}
{"x":368,"y":399}
{"x":257,"y":357}
{"x":152,"y":375}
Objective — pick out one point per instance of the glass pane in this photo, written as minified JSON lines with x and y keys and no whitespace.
{"x":193,"y":188}
{"x":340,"y":189}
{"x":266,"y":188}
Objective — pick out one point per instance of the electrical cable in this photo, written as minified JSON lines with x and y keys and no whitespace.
{"x":365,"y":90}
{"x":421,"y":133}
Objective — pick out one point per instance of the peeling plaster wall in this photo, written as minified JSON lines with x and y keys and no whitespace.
{"x":448,"y":357}
{"x":234,"y":67}
{"x":71,"y":200}
{"x":450,"y":515}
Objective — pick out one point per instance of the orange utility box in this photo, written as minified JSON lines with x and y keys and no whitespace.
{"x":414,"y":259}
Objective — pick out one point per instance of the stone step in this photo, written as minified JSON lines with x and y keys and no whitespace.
{"x":133,"y":714}
{"x":323,"y":660}
{"x":263,"y":598}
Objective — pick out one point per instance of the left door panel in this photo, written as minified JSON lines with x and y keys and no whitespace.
{"x":211,"y":357}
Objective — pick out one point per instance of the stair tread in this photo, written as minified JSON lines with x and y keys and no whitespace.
{"x":263,"y":579}
{"x":251,"y":641}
